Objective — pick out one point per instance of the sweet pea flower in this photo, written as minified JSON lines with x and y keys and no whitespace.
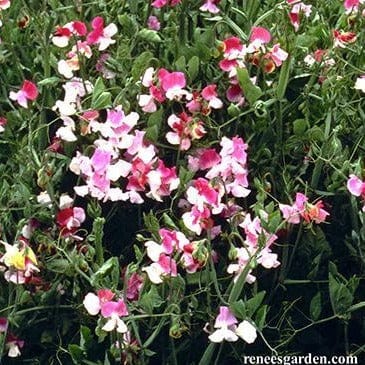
{"x":342,"y":39}
{"x":101,"y":35}
{"x":357,"y":188}
{"x":210,"y":6}
{"x":161,"y":3}
{"x":3,"y":122}
{"x":4,"y":4}
{"x":302,"y":208}
{"x":13,"y":344}
{"x":20,"y":261}
{"x":62,"y":35}
{"x":352,"y":5}
{"x":360,"y":83}
{"x":297,"y":8}
{"x":153,"y":23}
{"x":28,"y":91}
{"x":246,"y":331}
{"x":173,"y":84}
{"x":225,"y":325}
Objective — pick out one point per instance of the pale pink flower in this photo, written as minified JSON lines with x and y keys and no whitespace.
{"x":4,"y":4}
{"x":225,"y":325}
{"x":210,"y":6}
{"x":153,"y":23}
{"x":28,"y":91}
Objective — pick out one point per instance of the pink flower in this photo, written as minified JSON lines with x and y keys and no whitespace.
{"x":4,"y":4}
{"x":260,"y":35}
{"x":3,"y":122}
{"x":352,"y":5}
{"x":297,"y":8}
{"x":302,"y":208}
{"x":134,"y":286}
{"x":161,"y":3}
{"x":357,"y":188}
{"x":100,"y":35}
{"x":277,"y":54}
{"x":226,"y":326}
{"x":185,"y":129}
{"x":163,"y":267}
{"x":153,"y":23}
{"x":63,"y":34}
{"x":28,"y":91}
{"x":209,"y":93}
{"x":70,"y":219}
{"x":210,"y":6}
{"x":173,"y":84}
{"x":3,"y":324}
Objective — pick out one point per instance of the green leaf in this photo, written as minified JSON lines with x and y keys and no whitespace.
{"x":253,"y":304}
{"x":315,"y":306}
{"x":140,"y":64}
{"x":86,"y":337}
{"x":76,"y":352}
{"x":193,"y":67}
{"x":109,"y":270}
{"x":251,"y":91}
{"x":104,"y":100}
{"x":149,"y":35}
{"x":49,"y":81}
{"x":151,"y":300}
{"x":260,"y":317}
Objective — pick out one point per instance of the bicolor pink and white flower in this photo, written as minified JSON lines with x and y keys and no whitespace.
{"x":109,"y":309}
{"x":28,"y":92}
{"x":100,"y":35}
{"x":4,"y":4}
{"x":226,"y":326}
{"x":298,"y":8}
{"x":62,"y":35}
{"x":210,"y":6}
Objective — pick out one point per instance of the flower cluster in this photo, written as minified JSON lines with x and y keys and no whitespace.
{"x":227,"y":174}
{"x":303,"y":209}
{"x":256,"y":52}
{"x":256,"y":246}
{"x":193,"y":255}
{"x":100,"y":36}
{"x":121,"y":152}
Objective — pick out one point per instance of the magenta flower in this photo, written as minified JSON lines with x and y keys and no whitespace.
{"x":101,"y":35}
{"x":260,"y":35}
{"x":28,"y":91}
{"x":3,"y":122}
